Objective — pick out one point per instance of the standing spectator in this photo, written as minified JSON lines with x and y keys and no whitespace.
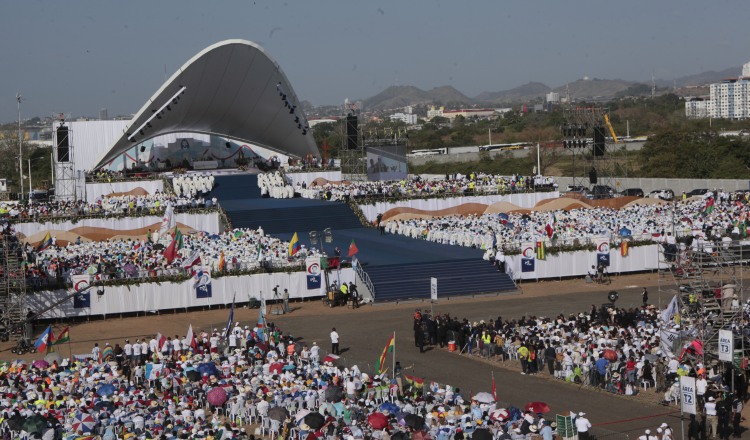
{"x":334,"y":341}
{"x":582,"y":426}
{"x":644,"y":297}
{"x":712,"y":421}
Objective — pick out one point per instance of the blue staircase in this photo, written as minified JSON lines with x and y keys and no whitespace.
{"x":290,"y":218}
{"x":235,"y":187}
{"x":455,"y":278}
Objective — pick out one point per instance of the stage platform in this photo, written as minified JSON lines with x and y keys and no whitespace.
{"x":400,"y":267}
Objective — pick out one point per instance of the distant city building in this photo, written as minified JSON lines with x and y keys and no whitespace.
{"x":538,"y":108}
{"x":408,"y":110}
{"x":406,"y":118}
{"x":728,"y":99}
{"x":103,"y":114}
{"x":696,"y":108}
{"x":315,"y":121}
{"x":469,"y":113}
{"x":433,"y":112}
{"x":553,"y":97}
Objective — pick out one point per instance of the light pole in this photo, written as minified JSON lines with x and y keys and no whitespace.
{"x":20,"y":151}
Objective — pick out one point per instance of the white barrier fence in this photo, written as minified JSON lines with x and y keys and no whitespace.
{"x":579,"y":263}
{"x":152,"y":297}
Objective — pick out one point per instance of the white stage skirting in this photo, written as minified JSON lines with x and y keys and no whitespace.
{"x":525,"y":200}
{"x":579,"y":263}
{"x":102,"y":228}
{"x":150,"y":297}
{"x":96,"y":190}
{"x":306,"y":178}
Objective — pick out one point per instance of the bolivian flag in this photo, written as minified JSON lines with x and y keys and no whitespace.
{"x":64,"y":337}
{"x":389,"y":347}
{"x":416,"y":382}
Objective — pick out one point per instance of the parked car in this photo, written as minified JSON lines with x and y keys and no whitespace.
{"x":602,"y":191}
{"x":698,"y":192}
{"x":632,"y":192}
{"x":663,"y":194}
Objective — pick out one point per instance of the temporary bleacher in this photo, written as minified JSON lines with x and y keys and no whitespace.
{"x":400,"y":268}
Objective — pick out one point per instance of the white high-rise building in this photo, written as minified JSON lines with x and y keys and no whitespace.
{"x":730,"y":99}
{"x":553,"y":97}
{"x":746,"y":70}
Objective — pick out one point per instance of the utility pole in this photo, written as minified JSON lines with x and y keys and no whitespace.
{"x":20,"y":151}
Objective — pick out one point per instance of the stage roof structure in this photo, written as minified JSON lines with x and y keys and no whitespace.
{"x":232,"y":89}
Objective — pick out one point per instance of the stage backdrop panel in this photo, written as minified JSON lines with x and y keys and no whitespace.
{"x":524,"y":200}
{"x":152,"y":297}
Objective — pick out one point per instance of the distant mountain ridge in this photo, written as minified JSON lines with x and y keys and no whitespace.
{"x":396,"y":97}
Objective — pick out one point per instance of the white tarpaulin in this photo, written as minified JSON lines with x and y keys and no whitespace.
{"x":525,"y":200}
{"x":102,"y":228}
{"x":150,"y":297}
{"x":578,"y":263}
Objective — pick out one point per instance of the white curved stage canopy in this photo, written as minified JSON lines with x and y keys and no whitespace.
{"x":232,"y":89}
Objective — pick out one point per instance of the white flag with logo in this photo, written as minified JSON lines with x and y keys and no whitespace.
{"x":168,"y":222}
{"x":671,"y":310}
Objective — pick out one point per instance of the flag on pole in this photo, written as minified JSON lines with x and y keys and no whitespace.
{"x":414,"y":381}
{"x":160,"y":341}
{"x":260,"y":252}
{"x":668,"y":313}
{"x":549,"y":230}
{"x":709,"y":206}
{"x":222,"y":261}
{"x":389,"y":347}
{"x":167,"y":221}
{"x":63,"y":338}
{"x":228,"y":328}
{"x":353,"y":249}
{"x":45,"y":243}
{"x":170,"y":253}
{"x":45,"y":340}
{"x":294,"y":245}
{"x":194,"y":259}
{"x":190,"y":338}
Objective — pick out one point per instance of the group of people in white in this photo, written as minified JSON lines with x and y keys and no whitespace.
{"x":639,"y":222}
{"x":191,"y":184}
{"x":273,"y":184}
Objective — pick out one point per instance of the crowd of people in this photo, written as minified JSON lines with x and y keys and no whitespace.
{"x":451,"y":185}
{"x":235,"y":250}
{"x":123,"y":205}
{"x":272,"y":184}
{"x":618,"y":350}
{"x":705,"y":219}
{"x":243,"y":382}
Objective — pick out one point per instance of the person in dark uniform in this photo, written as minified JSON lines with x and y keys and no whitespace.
{"x":419,"y":336}
{"x":644,"y":297}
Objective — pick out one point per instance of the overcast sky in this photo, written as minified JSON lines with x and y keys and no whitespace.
{"x":79,"y":56}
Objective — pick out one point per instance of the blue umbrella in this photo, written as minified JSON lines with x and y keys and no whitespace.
{"x":503,"y":216}
{"x":213,"y":237}
{"x":106,"y":390}
{"x":625,"y":232}
{"x":208,"y":368}
{"x":510,"y":225}
{"x":389,"y":406}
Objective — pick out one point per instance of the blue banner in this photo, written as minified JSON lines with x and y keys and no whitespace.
{"x":527,"y":265}
{"x":202,"y":281}
{"x":603,"y":259}
{"x":82,"y":300}
{"x":313,"y":282}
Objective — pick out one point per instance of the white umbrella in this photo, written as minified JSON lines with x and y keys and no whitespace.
{"x":301,"y":415}
{"x":483,"y":398}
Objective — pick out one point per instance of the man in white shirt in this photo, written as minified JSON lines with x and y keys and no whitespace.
{"x":582,"y":426}
{"x":712,"y":422}
{"x":128,"y":350}
{"x":334,"y":341}
{"x":315,"y":353}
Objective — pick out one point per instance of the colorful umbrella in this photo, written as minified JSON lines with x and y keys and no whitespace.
{"x":217,"y":396}
{"x":499,"y":414}
{"x":390,"y":407}
{"x":41,"y":364}
{"x":377,"y":420}
{"x":106,"y":390}
{"x":610,"y":355}
{"x":208,"y":368}
{"x":537,"y":407}
{"x":83,"y":422}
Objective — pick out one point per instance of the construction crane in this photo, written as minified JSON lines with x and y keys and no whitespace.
{"x":609,"y":126}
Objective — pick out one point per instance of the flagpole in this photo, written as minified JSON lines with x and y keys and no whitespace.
{"x":393,"y":370}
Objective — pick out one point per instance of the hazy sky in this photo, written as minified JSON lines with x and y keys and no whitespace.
{"x":79,"y":56}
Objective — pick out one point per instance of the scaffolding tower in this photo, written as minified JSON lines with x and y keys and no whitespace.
{"x":584,"y":133}
{"x":707,"y":278}
{"x":12,"y":291}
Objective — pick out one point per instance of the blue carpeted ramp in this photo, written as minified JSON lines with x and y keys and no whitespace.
{"x":399,"y":267}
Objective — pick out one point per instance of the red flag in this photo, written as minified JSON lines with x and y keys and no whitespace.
{"x":191,"y":338}
{"x":549,"y":230}
{"x":353,"y":249}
